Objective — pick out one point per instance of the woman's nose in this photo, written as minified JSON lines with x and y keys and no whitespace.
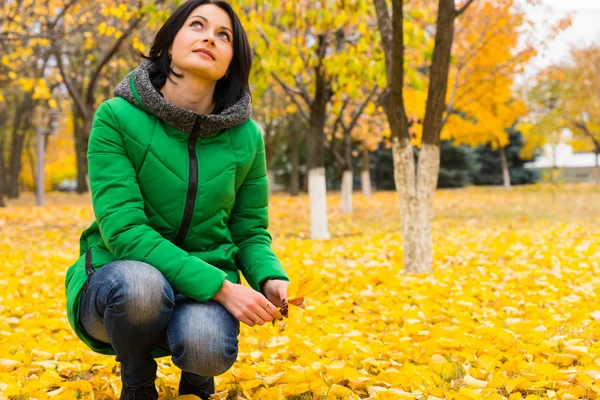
{"x":209,"y":39}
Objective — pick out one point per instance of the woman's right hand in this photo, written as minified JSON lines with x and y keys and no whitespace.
{"x":246,"y":304}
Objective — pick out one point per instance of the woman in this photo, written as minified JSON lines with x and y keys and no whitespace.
{"x":179,"y":190}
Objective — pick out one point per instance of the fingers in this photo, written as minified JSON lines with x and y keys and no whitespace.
{"x":271,"y":309}
{"x":262,"y":314}
{"x":260,"y":311}
{"x":252,"y":318}
{"x":250,"y":307}
{"x":247,"y":321}
{"x":283,"y":292}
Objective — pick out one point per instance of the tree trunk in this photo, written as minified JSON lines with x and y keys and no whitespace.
{"x":597,"y":168}
{"x":505,"y":171}
{"x":2,"y":172}
{"x":428,"y":167}
{"x":21,"y":124}
{"x":294,"y":132}
{"x":271,"y":179}
{"x":347,"y":176}
{"x":347,"y":191}
{"x":317,"y":191}
{"x":365,"y":175}
{"x":271,"y":138}
{"x":317,"y":186}
{"x":16,"y":152}
{"x":82,"y":128}
{"x":416,"y":184}
{"x":32,"y":162}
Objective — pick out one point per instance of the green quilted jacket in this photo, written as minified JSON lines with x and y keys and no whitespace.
{"x":183,"y":192}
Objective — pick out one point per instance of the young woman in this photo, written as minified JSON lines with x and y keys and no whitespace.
{"x":179,"y":191}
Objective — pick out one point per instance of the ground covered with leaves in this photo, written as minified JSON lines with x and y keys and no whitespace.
{"x":512,"y":309}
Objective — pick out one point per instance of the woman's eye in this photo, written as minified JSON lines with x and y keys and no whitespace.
{"x":224,"y":35}
{"x":196,"y":23}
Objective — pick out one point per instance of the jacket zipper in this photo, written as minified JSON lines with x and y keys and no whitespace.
{"x":192,"y":188}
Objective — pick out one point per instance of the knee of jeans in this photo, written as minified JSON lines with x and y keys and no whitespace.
{"x":205,"y":351}
{"x":140,"y":291}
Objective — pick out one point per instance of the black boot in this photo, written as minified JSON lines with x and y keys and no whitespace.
{"x":203,"y":391}
{"x":142,"y":393}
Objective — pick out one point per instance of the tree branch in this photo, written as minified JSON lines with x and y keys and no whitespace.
{"x":584,"y":128}
{"x":385,"y":28}
{"x":62,"y":13}
{"x":358,"y":112}
{"x":333,"y":152}
{"x":338,"y":120}
{"x":302,"y":89}
{"x":90,"y":91}
{"x":70,"y":88}
{"x":292,"y":90}
{"x":463,"y":8}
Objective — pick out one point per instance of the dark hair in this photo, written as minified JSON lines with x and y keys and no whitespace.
{"x":228,"y":90}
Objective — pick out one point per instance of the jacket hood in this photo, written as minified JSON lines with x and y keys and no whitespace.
{"x":137,"y":88}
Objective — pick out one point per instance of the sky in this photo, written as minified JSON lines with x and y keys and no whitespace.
{"x":584,"y":30}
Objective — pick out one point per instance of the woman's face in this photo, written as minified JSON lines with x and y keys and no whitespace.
{"x":204,"y":44}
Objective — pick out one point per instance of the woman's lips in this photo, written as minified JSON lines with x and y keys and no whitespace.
{"x":206,"y":53}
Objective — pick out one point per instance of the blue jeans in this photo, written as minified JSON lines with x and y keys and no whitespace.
{"x":130,"y":305}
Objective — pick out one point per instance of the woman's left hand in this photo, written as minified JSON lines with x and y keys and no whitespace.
{"x":276,"y":292}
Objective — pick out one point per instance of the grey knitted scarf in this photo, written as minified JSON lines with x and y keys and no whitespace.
{"x":180,"y":118}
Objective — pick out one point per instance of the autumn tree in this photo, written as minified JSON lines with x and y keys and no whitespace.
{"x":416,"y":183}
{"x":307,"y":49}
{"x":351,"y":127}
{"x":83,"y":46}
{"x":25,"y":74}
{"x":269,"y":109}
{"x":567,"y":95}
{"x":489,"y":52}
{"x":490,"y":39}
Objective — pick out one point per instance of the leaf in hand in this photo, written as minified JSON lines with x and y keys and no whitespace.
{"x":305,"y":286}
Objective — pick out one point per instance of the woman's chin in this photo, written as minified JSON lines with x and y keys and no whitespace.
{"x":201,"y":72}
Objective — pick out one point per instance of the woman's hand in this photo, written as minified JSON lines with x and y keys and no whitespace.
{"x":246,"y":304}
{"x":276,"y":292}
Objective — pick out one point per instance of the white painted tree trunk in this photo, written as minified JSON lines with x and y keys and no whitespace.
{"x":347,"y":192}
{"x":317,"y":193}
{"x":365,"y":183}
{"x":271,"y":179}
{"x":415,"y":190}
{"x":597,"y":169}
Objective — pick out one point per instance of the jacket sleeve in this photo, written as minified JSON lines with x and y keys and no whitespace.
{"x":119,"y":210}
{"x":249,"y":222}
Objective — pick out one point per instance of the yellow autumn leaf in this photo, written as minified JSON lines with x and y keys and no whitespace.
{"x":305,"y":286}
{"x":339,"y":391}
{"x":469,"y":380}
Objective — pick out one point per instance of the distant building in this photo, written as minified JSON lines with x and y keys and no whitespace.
{"x":573,"y":167}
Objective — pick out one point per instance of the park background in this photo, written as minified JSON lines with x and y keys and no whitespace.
{"x":502,"y":303}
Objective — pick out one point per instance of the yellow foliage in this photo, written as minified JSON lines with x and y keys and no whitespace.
{"x":488,"y":56}
{"x":509,"y":312}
